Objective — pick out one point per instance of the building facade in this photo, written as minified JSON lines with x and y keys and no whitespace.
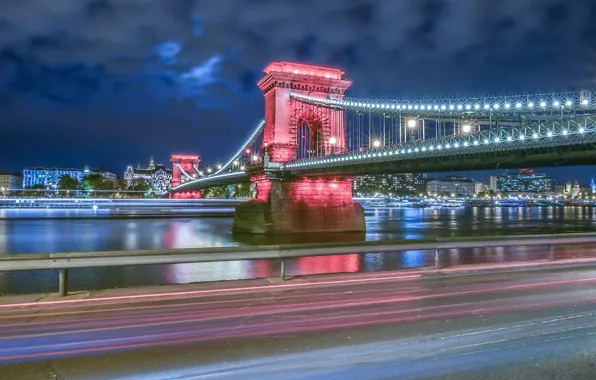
{"x":49,"y":177}
{"x":525,"y":181}
{"x":481,"y":187}
{"x":451,"y":186}
{"x":158,"y":176}
{"x":403,"y":183}
{"x":10,"y":181}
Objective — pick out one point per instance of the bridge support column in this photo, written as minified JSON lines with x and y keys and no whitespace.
{"x":305,"y":205}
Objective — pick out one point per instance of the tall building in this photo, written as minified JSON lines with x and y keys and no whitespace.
{"x":492,"y":184}
{"x":451,"y":186}
{"x":158,"y":176}
{"x":10,"y":181}
{"x":49,"y":177}
{"x":525,"y":181}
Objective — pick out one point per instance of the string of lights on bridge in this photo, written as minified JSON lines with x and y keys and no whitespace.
{"x":469,"y":141}
{"x":513,"y":104}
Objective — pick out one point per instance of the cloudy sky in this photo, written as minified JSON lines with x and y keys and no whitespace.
{"x":106,"y":83}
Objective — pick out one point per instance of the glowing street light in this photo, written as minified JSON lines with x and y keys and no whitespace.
{"x":255,"y":157}
{"x":412,"y":123}
{"x":376,"y":143}
{"x":208,"y":170}
{"x":236,"y":163}
{"x":466,"y":128}
{"x":242,"y":168}
{"x":218,"y":166}
{"x":332,"y":141}
{"x":248,"y":151}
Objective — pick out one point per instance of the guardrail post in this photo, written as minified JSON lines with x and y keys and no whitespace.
{"x":63,"y":283}
{"x":551,"y":252}
{"x":282,"y":270}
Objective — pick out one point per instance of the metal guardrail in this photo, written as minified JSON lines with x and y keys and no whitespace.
{"x":69,"y":260}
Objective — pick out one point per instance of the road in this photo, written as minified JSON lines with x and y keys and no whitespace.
{"x":368,"y":326}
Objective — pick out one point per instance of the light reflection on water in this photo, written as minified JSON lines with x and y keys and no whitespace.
{"x":80,"y":234}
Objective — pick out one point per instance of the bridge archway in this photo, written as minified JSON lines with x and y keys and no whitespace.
{"x":312,"y":133}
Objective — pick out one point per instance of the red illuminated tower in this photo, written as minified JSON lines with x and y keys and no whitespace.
{"x":185,"y":167}
{"x":300,"y":204}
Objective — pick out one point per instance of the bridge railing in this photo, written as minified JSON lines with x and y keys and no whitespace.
{"x":538,"y":134}
{"x":70,"y":260}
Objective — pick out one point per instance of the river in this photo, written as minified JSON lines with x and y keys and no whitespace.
{"x":59,"y":232}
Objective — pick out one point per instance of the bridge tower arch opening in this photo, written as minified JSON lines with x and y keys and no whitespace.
{"x":296,"y":129}
{"x":312,"y":135}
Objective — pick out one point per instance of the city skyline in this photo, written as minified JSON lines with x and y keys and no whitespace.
{"x":191,"y":86}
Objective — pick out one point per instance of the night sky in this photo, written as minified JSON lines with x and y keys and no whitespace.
{"x":103,"y":83}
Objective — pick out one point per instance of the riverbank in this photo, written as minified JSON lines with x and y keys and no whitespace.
{"x":72,"y":214}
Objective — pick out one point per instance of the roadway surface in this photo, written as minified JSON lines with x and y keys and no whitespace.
{"x":506,"y":324}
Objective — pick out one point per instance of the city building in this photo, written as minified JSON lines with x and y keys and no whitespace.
{"x":49,"y":177}
{"x":451,"y":186}
{"x":481,"y":187}
{"x":403,"y":183}
{"x":158,"y":176}
{"x":10,"y":181}
{"x":492,"y":184}
{"x":525,"y":181}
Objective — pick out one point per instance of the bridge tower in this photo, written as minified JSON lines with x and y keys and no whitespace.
{"x":300,"y":204}
{"x":185,"y":167}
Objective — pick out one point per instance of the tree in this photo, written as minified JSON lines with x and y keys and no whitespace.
{"x":216,"y":192}
{"x":66,"y":182}
{"x":92,"y":181}
{"x":36,"y":190}
{"x":142,"y":186}
{"x":242,"y":190}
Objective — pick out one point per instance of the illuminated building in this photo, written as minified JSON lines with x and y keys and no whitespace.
{"x":481,"y":187}
{"x":450,"y":186}
{"x":10,"y":181}
{"x":49,"y":177}
{"x":403,"y":183}
{"x":158,"y":176}
{"x":524,"y":181}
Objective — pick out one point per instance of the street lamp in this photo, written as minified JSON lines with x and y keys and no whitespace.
{"x":255,"y":157}
{"x":412,"y":123}
{"x":219,"y":166}
{"x":242,"y":168}
{"x":332,"y":141}
{"x":466,"y":128}
{"x":208,"y":170}
{"x":376,"y":143}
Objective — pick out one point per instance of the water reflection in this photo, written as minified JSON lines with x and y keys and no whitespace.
{"x":59,"y":235}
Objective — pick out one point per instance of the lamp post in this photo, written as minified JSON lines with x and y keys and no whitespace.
{"x":412,"y":124}
{"x":332,"y":141}
{"x":466,"y":128}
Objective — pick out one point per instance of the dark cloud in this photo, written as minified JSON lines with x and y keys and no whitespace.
{"x":158,"y":76}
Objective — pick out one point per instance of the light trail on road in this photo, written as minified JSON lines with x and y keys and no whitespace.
{"x":186,"y":320}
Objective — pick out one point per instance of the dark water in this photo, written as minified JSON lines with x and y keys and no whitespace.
{"x":28,"y":235}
